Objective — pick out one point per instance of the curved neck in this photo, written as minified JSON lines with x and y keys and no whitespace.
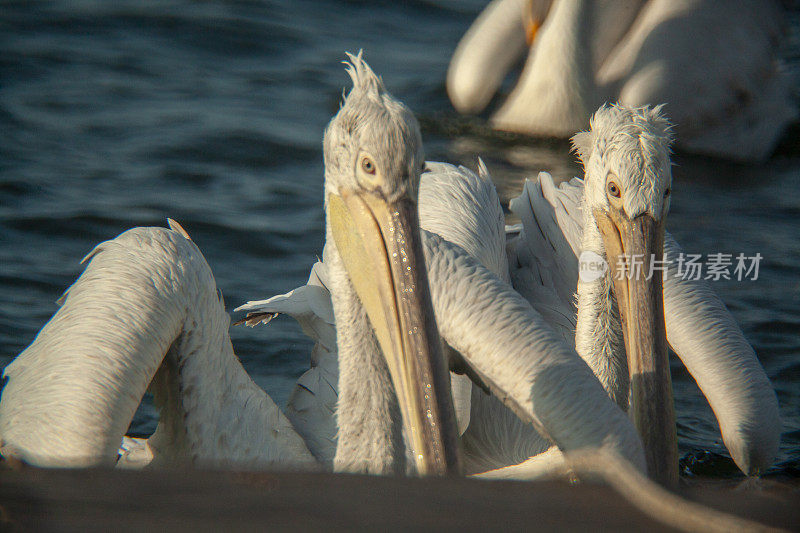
{"x":598,"y":335}
{"x":368,"y":414}
{"x":212,"y":412}
{"x":198,"y":380}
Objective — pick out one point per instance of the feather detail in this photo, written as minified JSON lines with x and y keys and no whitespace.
{"x":174,"y":226}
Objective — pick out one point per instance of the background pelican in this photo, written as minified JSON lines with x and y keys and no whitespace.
{"x":146,"y":312}
{"x":713,"y":63}
{"x":627,"y":148}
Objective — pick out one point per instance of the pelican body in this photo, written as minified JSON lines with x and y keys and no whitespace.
{"x":713,"y":63}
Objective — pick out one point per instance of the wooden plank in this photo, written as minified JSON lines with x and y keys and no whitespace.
{"x":74,"y":500}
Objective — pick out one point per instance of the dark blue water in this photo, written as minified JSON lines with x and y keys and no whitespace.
{"x":116,"y":114}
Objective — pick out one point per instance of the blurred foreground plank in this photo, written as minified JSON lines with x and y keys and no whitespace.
{"x":81,"y":500}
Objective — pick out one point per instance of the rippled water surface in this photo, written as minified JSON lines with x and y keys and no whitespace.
{"x":116,"y":114}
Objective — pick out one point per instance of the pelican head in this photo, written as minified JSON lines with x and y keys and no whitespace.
{"x":373,"y":161}
{"x":628,"y":181}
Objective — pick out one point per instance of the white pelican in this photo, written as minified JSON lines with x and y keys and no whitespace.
{"x":146,"y":313}
{"x":445,"y":192}
{"x":713,"y":63}
{"x":628,"y":147}
{"x":620,"y":209}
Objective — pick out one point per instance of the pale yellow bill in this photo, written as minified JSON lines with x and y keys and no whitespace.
{"x":631,"y":246}
{"x":379,"y":245}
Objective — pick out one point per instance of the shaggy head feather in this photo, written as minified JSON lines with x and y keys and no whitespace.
{"x":372,"y":122}
{"x":630,"y":145}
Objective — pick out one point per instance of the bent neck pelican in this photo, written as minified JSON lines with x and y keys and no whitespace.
{"x":146,"y":312}
{"x":713,"y":63}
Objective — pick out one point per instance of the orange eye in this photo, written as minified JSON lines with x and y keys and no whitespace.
{"x":367,"y":165}
{"x":613,"y":189}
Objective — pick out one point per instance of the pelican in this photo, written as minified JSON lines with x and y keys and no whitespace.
{"x":713,"y":63}
{"x":146,"y":312}
{"x":615,"y":211}
{"x":619,"y":209}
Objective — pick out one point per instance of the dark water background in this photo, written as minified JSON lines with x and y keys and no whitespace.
{"x":117,"y":114}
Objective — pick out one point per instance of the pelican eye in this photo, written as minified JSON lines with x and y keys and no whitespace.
{"x":666,"y":193}
{"x":367,"y":165}
{"x":613,"y":189}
